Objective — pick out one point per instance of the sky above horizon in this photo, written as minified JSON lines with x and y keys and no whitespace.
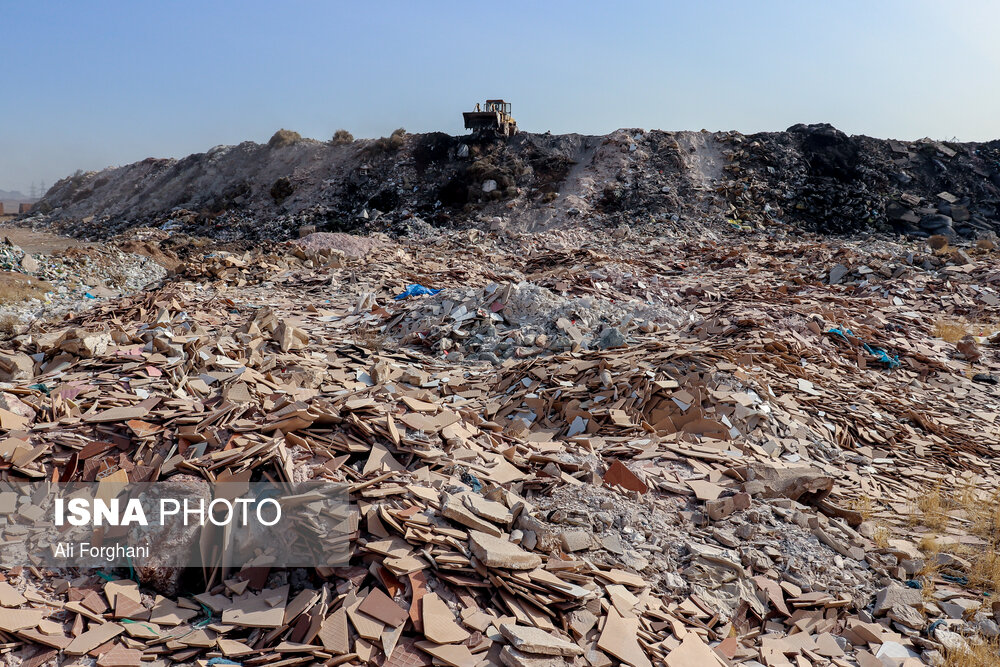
{"x":88,"y":85}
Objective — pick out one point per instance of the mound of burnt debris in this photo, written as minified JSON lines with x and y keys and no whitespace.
{"x":818,"y":177}
{"x":813,"y":177}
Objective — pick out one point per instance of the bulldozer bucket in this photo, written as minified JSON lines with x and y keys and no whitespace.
{"x":481,"y":120}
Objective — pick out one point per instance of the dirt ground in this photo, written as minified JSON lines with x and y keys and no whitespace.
{"x":37,"y":242}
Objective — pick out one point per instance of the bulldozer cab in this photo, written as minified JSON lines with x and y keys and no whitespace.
{"x":499,"y":106}
{"x":493,"y":116}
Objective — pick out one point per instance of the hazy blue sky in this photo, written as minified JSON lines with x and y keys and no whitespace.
{"x":98,"y":83}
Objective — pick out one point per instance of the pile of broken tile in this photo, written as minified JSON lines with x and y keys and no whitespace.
{"x":684,"y":497}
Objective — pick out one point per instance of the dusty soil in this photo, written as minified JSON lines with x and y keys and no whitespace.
{"x":37,"y":241}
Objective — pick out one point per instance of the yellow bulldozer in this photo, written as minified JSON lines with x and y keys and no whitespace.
{"x":494,"y":116}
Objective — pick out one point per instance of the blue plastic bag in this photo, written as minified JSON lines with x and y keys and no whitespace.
{"x":877,"y":352}
{"x":415,"y":290}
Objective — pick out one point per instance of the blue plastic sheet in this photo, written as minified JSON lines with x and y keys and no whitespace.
{"x":472,"y":481}
{"x":877,"y":352}
{"x":415,"y":290}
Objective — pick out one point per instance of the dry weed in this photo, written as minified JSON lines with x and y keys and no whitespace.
{"x":985,"y":570}
{"x":984,"y":515}
{"x":930,"y":547}
{"x":863,"y":505}
{"x":371,"y":339}
{"x":284,"y":137}
{"x":986,"y":654}
{"x":393,"y":142}
{"x":951,"y":331}
{"x":983,"y":520}
{"x":8,"y":327}
{"x":930,"y":509}
{"x":881,"y":535}
{"x":954,"y":330}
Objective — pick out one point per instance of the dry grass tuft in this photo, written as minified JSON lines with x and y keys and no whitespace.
{"x":8,"y":327}
{"x":986,"y":654}
{"x":371,"y":339}
{"x":930,"y":547}
{"x":341,"y":137}
{"x":930,"y":510}
{"x":981,"y":518}
{"x":985,"y":570}
{"x":284,"y":137}
{"x":984,"y":514}
{"x":863,"y":505}
{"x":950,"y":330}
{"x":881,"y":535}
{"x":984,"y":518}
{"x":953,"y":330}
{"x":393,"y":142}
{"x":939,"y":244}
{"x":18,"y":287}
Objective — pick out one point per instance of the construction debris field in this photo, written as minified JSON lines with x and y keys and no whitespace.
{"x":653,"y":398}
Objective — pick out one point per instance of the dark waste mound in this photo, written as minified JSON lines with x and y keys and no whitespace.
{"x":820,"y":179}
{"x":814,"y":177}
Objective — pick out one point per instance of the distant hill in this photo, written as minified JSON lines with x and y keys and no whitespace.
{"x":14,"y":196}
{"x":11,"y":198}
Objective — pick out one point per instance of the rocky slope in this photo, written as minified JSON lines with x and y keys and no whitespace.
{"x":815,"y":177}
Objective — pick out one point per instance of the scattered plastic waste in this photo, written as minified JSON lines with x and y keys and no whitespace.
{"x":472,"y":481}
{"x":415,"y":290}
{"x":877,"y":352}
